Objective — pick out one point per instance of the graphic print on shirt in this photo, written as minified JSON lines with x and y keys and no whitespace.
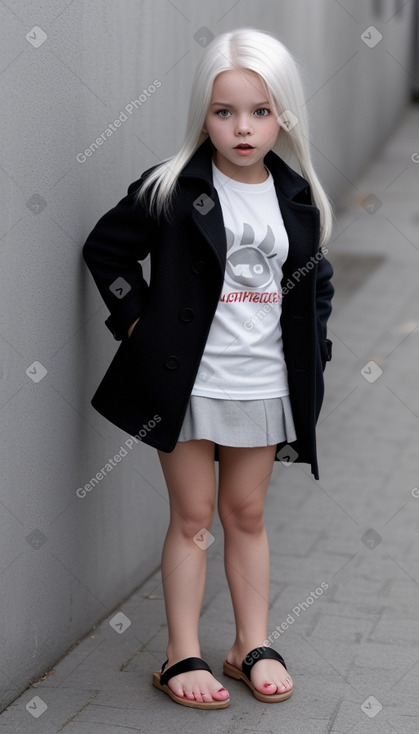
{"x":243,"y":357}
{"x":249,"y":266}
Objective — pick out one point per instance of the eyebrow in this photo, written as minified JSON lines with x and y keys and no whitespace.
{"x":228,"y":104}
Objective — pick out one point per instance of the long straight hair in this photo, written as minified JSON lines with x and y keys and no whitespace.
{"x":260,"y":52}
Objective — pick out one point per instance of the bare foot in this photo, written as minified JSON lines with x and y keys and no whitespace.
{"x":267,"y":675}
{"x":197,"y":685}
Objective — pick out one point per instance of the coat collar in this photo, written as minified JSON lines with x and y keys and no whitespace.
{"x":288,"y":181}
{"x":300,"y":219}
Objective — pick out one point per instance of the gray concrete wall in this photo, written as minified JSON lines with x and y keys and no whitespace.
{"x":67,"y":561}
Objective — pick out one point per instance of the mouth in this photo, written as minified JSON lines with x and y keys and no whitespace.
{"x":243,"y":146}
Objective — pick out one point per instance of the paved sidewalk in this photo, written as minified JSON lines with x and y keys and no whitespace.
{"x":353,"y":649}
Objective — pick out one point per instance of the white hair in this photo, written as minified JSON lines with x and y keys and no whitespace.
{"x":260,"y":52}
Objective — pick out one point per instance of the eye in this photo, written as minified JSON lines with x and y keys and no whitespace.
{"x":220,"y":113}
{"x":264,"y":110}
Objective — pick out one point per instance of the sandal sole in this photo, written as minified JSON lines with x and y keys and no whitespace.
{"x":211,"y":705}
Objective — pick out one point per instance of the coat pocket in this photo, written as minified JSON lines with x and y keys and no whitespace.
{"x":325,"y":351}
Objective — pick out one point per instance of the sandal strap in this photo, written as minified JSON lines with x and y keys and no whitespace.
{"x":259,"y":653}
{"x":183,"y":666}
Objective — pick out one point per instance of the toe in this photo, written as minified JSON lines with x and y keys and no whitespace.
{"x":269,"y":688}
{"x":197,"y":695}
{"x":220,"y":695}
{"x":198,"y":690}
{"x":207,"y":697}
{"x":277,"y":687}
{"x":284,"y":685}
{"x":188,"y":694}
{"x":177,"y":689}
{"x":272,"y":681}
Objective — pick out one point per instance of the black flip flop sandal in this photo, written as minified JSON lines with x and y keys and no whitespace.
{"x":259,"y":653}
{"x":184,"y":666}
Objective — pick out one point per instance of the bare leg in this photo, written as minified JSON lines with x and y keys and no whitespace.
{"x":190,"y":477}
{"x":243,"y":483}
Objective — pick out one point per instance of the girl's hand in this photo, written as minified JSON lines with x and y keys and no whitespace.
{"x":132,"y":326}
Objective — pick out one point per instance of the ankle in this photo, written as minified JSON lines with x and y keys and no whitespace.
{"x":175,"y":653}
{"x":246,"y":643}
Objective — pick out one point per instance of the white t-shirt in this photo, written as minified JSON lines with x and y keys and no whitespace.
{"x":243,"y":357}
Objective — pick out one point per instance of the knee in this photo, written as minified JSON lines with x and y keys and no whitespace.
{"x":189,"y":521}
{"x":246,"y":517}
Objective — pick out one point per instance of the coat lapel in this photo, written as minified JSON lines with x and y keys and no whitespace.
{"x":208,"y":217}
{"x":301,"y":220}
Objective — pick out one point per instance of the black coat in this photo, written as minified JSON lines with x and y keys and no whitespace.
{"x":147,"y":386}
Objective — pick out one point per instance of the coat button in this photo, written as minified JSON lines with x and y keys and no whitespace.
{"x":172,"y":362}
{"x":186,"y":314}
{"x":198,"y":266}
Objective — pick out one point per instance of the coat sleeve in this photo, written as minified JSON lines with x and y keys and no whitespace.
{"x":112,"y":250}
{"x":324,"y":295}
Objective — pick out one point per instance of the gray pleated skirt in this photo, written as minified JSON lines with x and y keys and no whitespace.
{"x":240,"y":423}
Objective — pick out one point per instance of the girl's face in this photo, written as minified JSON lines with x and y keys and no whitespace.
{"x":241,"y":125}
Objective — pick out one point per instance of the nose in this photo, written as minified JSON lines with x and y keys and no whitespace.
{"x":243,"y":126}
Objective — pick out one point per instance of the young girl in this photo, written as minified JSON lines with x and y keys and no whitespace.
{"x":222,"y":353}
